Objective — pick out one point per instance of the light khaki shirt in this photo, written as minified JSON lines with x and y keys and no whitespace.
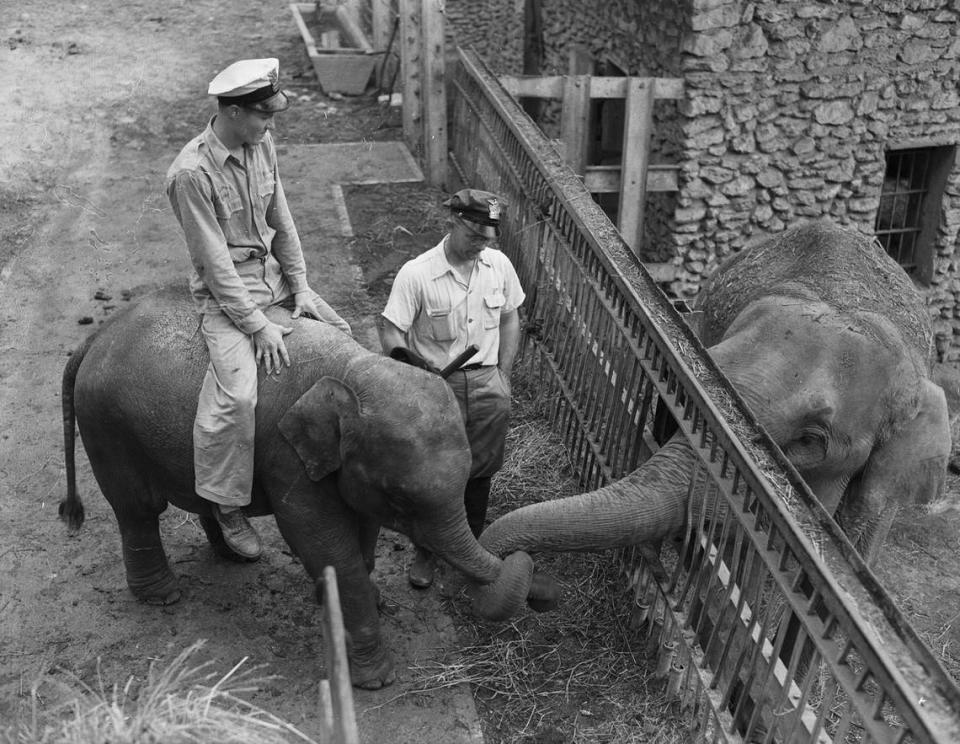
{"x":441,"y":314}
{"x":237,"y":226}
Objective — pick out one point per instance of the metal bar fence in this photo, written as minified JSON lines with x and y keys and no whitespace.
{"x":769,"y":625}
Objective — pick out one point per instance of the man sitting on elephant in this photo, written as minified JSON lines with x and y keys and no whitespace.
{"x":225,"y":191}
{"x":462,"y":292}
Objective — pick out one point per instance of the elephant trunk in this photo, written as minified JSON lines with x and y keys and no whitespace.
{"x":646,"y":505}
{"x":460,"y":549}
{"x":506,"y":583}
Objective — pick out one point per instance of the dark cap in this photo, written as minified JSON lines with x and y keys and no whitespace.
{"x":481,"y":207}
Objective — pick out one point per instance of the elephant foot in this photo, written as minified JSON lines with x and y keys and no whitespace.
{"x":148,"y":574}
{"x":502,"y":599}
{"x":160,"y":591}
{"x":373,"y":671}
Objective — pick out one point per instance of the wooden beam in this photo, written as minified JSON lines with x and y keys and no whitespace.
{"x":575,"y":121}
{"x":600,"y":87}
{"x":434,"y":94}
{"x":381,"y":23}
{"x":351,"y":29}
{"x":299,"y":10}
{"x":411,"y":53}
{"x":638,"y":126}
{"x":605,"y":179}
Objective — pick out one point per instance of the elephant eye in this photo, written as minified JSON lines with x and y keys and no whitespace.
{"x":809,"y":446}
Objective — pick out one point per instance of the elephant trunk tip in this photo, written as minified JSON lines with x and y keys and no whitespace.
{"x":503,"y":598}
{"x":544,"y":594}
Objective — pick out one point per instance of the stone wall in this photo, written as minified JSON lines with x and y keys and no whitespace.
{"x":493,"y":28}
{"x":790,"y":107}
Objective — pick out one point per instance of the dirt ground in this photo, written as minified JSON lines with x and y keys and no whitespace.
{"x":98,"y":98}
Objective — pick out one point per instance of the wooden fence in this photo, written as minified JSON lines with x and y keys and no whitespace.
{"x":768,"y":624}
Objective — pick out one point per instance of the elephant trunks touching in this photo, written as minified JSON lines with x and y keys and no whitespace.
{"x":829,"y":343}
{"x":503,"y":598}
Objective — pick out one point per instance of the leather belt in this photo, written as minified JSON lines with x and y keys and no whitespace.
{"x":471,"y":367}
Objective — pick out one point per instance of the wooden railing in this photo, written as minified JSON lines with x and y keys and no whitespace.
{"x":768,"y":625}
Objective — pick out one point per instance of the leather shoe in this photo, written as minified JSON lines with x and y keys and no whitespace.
{"x":420,"y":573}
{"x":238,"y":534}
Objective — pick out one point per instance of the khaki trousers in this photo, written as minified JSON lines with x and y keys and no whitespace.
{"x":485,"y":403}
{"x":223,"y":431}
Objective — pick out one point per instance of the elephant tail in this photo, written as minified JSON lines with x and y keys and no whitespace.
{"x":71,"y":508}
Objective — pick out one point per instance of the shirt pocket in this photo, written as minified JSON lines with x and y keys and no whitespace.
{"x":441,"y":323}
{"x":226,"y":203}
{"x":265,"y":187}
{"x":491,"y":309}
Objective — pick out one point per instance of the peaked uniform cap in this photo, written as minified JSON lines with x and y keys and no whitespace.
{"x":251,"y":83}
{"x":481,"y":207}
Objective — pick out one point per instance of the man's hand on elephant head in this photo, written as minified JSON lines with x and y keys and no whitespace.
{"x":269,"y":347}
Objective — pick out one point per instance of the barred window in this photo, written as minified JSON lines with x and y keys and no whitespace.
{"x":909,"y":209}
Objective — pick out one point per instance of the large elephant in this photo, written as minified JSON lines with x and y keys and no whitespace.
{"x":346,"y":441}
{"x":829,"y":343}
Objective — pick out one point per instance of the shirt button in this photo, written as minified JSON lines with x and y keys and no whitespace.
{"x":470,"y":320}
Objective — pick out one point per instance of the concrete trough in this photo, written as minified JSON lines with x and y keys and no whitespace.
{"x":339,"y":69}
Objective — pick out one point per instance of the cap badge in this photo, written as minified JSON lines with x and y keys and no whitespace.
{"x":494,"y":209}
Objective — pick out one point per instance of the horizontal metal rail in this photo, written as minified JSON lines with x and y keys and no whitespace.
{"x":768,"y":626}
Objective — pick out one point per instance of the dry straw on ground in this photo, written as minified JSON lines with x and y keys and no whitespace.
{"x":178,"y":704}
{"x":578,"y":674}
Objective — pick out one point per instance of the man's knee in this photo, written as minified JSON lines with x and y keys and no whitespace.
{"x":245,"y":400}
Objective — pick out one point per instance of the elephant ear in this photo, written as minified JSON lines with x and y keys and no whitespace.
{"x":312,"y":425}
{"x":910,"y":468}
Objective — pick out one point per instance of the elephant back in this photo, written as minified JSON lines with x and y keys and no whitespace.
{"x":821,"y":261}
{"x":148,"y":361}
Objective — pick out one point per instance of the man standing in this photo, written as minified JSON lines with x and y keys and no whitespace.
{"x":463,"y":291}
{"x":226,"y":193}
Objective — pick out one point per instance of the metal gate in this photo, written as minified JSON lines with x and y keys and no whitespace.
{"x":770,"y":627}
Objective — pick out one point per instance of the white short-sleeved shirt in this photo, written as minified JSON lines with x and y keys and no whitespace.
{"x":441,"y":315}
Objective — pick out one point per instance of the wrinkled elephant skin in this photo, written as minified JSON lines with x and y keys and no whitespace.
{"x":829,"y":343}
{"x":346,"y":441}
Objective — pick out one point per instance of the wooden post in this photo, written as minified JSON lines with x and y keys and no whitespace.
{"x":434,"y":94}
{"x":636,"y":157}
{"x":381,"y":22}
{"x":336,"y":697}
{"x":352,"y":9}
{"x":575,"y":120}
{"x":410,"y":55}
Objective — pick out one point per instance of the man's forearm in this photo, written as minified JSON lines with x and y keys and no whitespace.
{"x":509,"y":341}
{"x":390,"y":336}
